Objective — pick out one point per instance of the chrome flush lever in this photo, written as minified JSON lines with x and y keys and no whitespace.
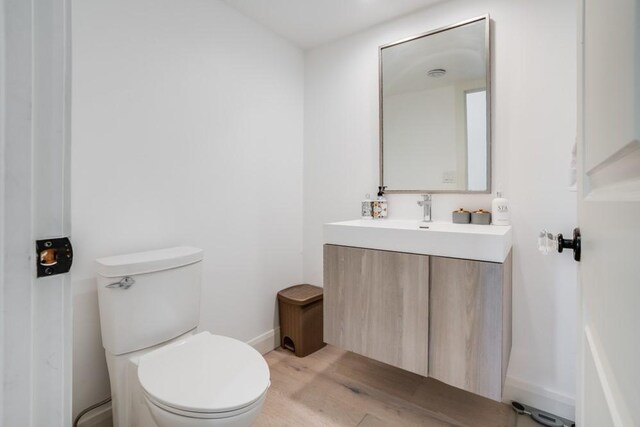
{"x":124,"y":283}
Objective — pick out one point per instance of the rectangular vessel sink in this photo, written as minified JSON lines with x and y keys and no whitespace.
{"x":477,"y":242}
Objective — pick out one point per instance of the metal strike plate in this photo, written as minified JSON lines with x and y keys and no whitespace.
{"x":53,"y":256}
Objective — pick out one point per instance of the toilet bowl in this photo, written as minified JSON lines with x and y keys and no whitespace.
{"x":161,"y":373}
{"x":205,"y":380}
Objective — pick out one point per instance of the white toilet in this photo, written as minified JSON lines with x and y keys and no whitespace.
{"x":162,"y":373}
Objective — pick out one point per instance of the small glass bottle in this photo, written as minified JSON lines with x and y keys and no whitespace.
{"x":367,"y":207}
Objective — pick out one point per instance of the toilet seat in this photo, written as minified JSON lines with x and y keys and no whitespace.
{"x":207,"y":415}
{"x":205,"y":376}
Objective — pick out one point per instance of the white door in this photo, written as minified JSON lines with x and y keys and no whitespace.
{"x":609,"y":213}
{"x":35,"y":313}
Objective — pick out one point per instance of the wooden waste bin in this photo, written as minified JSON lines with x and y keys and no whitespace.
{"x":301,"y":319}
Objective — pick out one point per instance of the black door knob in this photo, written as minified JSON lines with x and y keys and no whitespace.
{"x":574,"y":244}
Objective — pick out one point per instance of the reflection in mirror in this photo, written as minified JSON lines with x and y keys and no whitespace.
{"x":435,"y":111}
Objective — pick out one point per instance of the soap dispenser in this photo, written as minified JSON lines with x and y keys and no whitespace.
{"x":500,"y":209}
{"x":380,"y":205}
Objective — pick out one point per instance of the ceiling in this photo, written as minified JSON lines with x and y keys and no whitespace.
{"x":309,"y":23}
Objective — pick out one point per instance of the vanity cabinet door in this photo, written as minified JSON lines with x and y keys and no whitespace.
{"x":470,"y":329}
{"x":376,"y":303}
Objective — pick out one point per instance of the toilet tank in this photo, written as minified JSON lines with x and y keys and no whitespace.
{"x":147,"y":298}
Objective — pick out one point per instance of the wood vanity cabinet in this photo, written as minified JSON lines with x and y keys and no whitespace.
{"x":446,"y":318}
{"x":376,"y":303}
{"x":470,"y":324}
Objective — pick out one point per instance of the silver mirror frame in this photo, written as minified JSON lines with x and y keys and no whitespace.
{"x":487,"y":41}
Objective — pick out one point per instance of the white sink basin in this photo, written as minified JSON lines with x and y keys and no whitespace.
{"x":478,"y":242}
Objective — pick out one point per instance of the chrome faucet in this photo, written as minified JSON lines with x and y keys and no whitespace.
{"x":426,"y":205}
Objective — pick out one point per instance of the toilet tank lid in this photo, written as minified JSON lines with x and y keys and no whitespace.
{"x":147,"y":262}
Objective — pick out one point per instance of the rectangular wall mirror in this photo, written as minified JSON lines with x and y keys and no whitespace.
{"x":435,"y":111}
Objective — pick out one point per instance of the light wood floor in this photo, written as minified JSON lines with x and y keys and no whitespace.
{"x":336,"y":388}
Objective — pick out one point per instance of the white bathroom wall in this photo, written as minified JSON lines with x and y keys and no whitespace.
{"x":534,"y":122}
{"x":187,"y":130}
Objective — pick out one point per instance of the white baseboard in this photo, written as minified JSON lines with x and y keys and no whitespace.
{"x":539,"y":397}
{"x":266,"y":342}
{"x":99,"y":417}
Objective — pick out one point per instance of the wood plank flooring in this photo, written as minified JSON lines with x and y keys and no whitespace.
{"x":336,"y":388}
